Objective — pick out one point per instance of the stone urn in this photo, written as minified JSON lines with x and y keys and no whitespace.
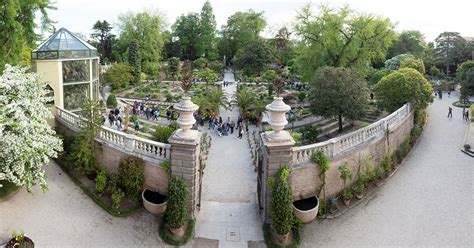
{"x":186,"y":120}
{"x":306,"y":209}
{"x":154,"y":202}
{"x":277,"y":120}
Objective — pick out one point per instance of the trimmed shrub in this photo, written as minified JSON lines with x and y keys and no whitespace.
{"x":162,"y":134}
{"x":112,"y":183}
{"x":176,"y":213}
{"x":415,"y":133}
{"x":310,"y":134}
{"x":282,"y":200}
{"x":101,"y":181}
{"x":117,"y":198}
{"x":112,"y":101}
{"x":131,"y":176}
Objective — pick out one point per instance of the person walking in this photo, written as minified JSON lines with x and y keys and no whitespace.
{"x":241,"y":130}
{"x":232,"y":125}
{"x":467,"y":115}
{"x":463,"y":113}
{"x":137,"y":124}
{"x":450,"y":112}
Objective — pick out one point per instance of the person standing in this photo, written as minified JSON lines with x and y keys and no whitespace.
{"x":137,"y":124}
{"x":467,"y":115}
{"x":450,"y":112}
{"x":232,"y":125}
{"x":463,"y":113}
{"x":241,"y":130}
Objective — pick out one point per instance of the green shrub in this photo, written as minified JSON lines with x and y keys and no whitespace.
{"x":415,"y":133}
{"x":81,"y":156}
{"x":101,"y":181}
{"x":387,"y":163}
{"x":472,"y":113}
{"x":360,"y":186}
{"x":347,"y":193}
{"x":270,"y":89}
{"x":379,"y":172}
{"x":146,"y":128}
{"x":131,"y":176}
{"x":296,"y":136}
{"x":117,"y":198}
{"x":112,"y":183}
{"x":162,"y":134}
{"x":310,"y":133}
{"x":168,"y":96}
{"x":419,"y":117}
{"x":112,"y":101}
{"x":301,"y":96}
{"x":282,"y":203}
{"x":322,"y":207}
{"x":402,"y":151}
{"x":166,"y":165}
{"x":176,"y":213}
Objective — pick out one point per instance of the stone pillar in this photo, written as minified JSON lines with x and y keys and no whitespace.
{"x":277,"y":151}
{"x":185,"y":150}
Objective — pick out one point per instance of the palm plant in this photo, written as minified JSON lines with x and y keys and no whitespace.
{"x":218,"y":97}
{"x":258,"y":108}
{"x":245,"y":98}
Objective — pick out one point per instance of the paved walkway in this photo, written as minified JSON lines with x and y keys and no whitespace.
{"x":229,"y":209}
{"x":429,"y":202}
{"x":65,"y":217}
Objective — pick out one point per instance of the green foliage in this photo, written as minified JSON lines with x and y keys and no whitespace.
{"x":102,"y":35}
{"x":402,"y":151}
{"x":242,"y":28}
{"x":409,"y":41}
{"x":207,"y":42}
{"x":254,"y":58}
{"x":199,"y":63}
{"x":270,"y":89}
{"x":379,"y":172}
{"x":119,"y":76}
{"x":340,"y":37}
{"x":186,"y":29}
{"x":322,"y":207}
{"x":450,"y":50}
{"x":131,"y":176}
{"x":147,"y":29}
{"x":347,"y":194}
{"x":166,"y":165}
{"x":310,"y":133}
{"x":416,"y":64}
{"x":296,"y":137}
{"x":112,"y":183}
{"x":269,"y":75}
{"x":174,"y":68}
{"x":339,"y":92}
{"x":101,"y":181}
{"x":359,"y":187}
{"x":281,"y":204}
{"x":302,"y":96}
{"x":146,"y":127}
{"x":435,"y":72}
{"x":18,"y":26}
{"x":320,"y":158}
{"x":345,"y":172}
{"x":117,"y":198}
{"x":162,"y":134}
{"x":415,"y":133}
{"x":207,"y":75}
{"x":176,"y":212}
{"x":112,"y":101}
{"x":404,"y":85}
{"x":465,"y":76}
{"x":134,"y":60}
{"x":245,"y":98}
{"x":387,"y":162}
{"x":270,"y":243}
{"x":394,"y":63}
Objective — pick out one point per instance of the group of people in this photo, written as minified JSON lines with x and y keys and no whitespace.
{"x":465,"y":113}
{"x":224,"y":127}
{"x":225,"y":83}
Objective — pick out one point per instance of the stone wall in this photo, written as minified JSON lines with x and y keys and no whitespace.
{"x":305,"y":177}
{"x":156,"y":178}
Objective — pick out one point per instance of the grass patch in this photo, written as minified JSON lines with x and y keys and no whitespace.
{"x":168,"y":237}
{"x":109,"y":209}
{"x":7,"y":188}
{"x":461,"y":104}
{"x":267,"y":234}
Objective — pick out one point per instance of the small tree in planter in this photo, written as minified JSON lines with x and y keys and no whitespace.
{"x":176,"y":214}
{"x":281,"y":206}
{"x":101,"y":181}
{"x":131,"y":176}
{"x":345,"y":174}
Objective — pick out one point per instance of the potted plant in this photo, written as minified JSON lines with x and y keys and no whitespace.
{"x":379,"y":174}
{"x":281,"y":207}
{"x":101,"y":182}
{"x":306,"y":209}
{"x":154,"y":202}
{"x":322,"y":161}
{"x":345,"y":175}
{"x":20,"y":240}
{"x":359,"y":189}
{"x":176,"y":214}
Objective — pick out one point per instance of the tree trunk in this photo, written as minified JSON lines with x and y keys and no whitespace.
{"x":340,"y":123}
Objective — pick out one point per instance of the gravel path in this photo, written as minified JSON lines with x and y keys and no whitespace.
{"x":429,"y":202}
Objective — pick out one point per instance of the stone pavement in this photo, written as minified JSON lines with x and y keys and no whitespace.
{"x":429,"y":202}
{"x":65,"y":217}
{"x":229,"y":209}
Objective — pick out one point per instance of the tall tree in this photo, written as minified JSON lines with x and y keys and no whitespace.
{"x":17,"y":29}
{"x":147,"y":29}
{"x":134,"y":60}
{"x":465,"y":76}
{"x":339,"y":92}
{"x":186,"y":32}
{"x":207,"y":47}
{"x":101,"y":33}
{"x":450,"y":49}
{"x":410,"y":41}
{"x":241,"y":29}
{"x":254,"y":58}
{"x":340,"y":38}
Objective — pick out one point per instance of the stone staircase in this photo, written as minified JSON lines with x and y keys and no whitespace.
{"x":372,"y":114}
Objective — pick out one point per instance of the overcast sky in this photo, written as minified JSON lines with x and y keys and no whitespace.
{"x":431,"y":17}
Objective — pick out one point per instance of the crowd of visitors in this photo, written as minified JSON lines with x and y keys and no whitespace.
{"x":223,"y":128}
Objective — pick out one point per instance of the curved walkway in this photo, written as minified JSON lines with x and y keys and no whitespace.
{"x":429,"y":202}
{"x":229,"y":209}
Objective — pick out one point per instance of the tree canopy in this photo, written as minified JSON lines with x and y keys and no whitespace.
{"x":119,"y":75}
{"x":450,"y":50}
{"x":410,"y":41}
{"x":254,"y":58}
{"x":416,"y":64}
{"x":101,"y":33}
{"x":465,"y":76}
{"x":17,"y":27}
{"x":339,"y":92}
{"x":187,"y":34}
{"x":147,"y":29}
{"x":340,"y":38}
{"x":402,"y":86}
{"x":207,"y":45}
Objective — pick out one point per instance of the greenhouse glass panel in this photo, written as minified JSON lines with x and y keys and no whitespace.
{"x":95,"y":90}
{"x":75,"y":71}
{"x":75,"y":96}
{"x":95,"y":68}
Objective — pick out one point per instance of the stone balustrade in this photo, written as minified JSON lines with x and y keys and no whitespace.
{"x":342,"y":144}
{"x":131,"y":144}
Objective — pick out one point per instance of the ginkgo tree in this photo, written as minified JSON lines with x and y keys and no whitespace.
{"x":26,"y":140}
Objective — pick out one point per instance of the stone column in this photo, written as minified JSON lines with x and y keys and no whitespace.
{"x":185,"y":150}
{"x":278,"y":146}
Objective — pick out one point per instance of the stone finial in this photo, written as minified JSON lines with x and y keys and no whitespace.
{"x":277,"y":121}
{"x":186,"y":120}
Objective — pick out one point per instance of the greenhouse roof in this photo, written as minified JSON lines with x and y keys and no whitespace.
{"x":64,"y":45}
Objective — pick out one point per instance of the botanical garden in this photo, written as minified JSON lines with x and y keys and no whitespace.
{"x":336,"y":130}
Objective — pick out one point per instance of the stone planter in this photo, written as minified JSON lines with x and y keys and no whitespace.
{"x":306,"y":209}
{"x":284,"y":239}
{"x":347,"y":202}
{"x":26,"y":242}
{"x":177,"y":232}
{"x":154,"y":202}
